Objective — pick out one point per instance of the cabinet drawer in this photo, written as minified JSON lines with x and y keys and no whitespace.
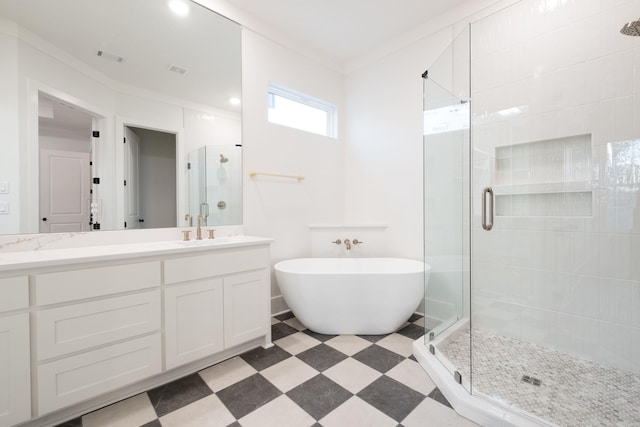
{"x":52,"y":288}
{"x":14,"y":293}
{"x":82,"y":326}
{"x":81,"y":377}
{"x":215,"y":264}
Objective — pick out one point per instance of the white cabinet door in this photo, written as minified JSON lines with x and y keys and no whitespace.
{"x":15,"y":378}
{"x":246,"y":307}
{"x":193,"y":321}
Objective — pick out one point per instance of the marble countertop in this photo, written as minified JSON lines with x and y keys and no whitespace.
{"x":21,"y":260}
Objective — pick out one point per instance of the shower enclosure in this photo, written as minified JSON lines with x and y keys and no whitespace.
{"x":532,"y":216}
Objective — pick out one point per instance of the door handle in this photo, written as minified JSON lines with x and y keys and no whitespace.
{"x":487,"y":225}
{"x":44,"y":219}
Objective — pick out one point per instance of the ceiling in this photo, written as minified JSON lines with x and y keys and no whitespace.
{"x":343,"y":30}
{"x":148,"y":37}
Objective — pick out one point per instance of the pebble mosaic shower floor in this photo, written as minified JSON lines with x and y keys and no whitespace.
{"x":572,"y":391}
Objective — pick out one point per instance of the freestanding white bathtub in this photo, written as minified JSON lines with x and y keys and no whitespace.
{"x":363,"y":296}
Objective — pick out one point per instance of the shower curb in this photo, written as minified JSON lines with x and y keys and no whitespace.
{"x":476,"y":408}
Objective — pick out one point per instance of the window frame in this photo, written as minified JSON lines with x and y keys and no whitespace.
{"x":331,"y":110}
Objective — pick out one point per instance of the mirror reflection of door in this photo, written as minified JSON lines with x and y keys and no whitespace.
{"x":64,"y":139}
{"x":150,"y":186}
{"x":132,"y":217}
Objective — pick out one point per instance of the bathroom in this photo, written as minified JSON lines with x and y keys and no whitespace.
{"x":367,"y":182}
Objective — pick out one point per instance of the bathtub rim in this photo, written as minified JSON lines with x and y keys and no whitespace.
{"x":419,"y":267}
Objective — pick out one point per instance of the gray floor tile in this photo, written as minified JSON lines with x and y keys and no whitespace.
{"x":412,"y":331}
{"x":261,"y":358}
{"x":321,"y":357}
{"x":248,"y":395}
{"x":154,"y":423}
{"x":378,"y":358}
{"x":414,"y":317}
{"x":437,"y":395}
{"x":281,"y":330}
{"x":319,"y":396}
{"x":285,"y":316}
{"x":179,"y":393}
{"x":391,"y":397}
{"x":319,"y":337}
{"x":372,"y":338}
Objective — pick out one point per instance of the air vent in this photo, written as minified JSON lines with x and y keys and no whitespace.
{"x":178,"y":69}
{"x":111,"y":56}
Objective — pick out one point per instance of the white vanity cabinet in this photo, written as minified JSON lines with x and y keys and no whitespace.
{"x":98,"y":329}
{"x":214,"y":301}
{"x":15,"y":390}
{"x":80,"y":329}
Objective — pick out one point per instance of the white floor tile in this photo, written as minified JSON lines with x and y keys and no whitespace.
{"x":398,"y":344}
{"x":357,"y":413}
{"x":348,"y":344}
{"x":206,"y":412}
{"x":352,"y":375}
{"x":412,"y":375}
{"x":289,"y":373}
{"x":226,"y":373}
{"x":432,"y":413}
{"x":134,"y":412}
{"x":295,"y":323}
{"x":280,"y":412}
{"x":297,"y":343}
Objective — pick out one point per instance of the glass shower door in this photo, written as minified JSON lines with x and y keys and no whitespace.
{"x":446,"y":205}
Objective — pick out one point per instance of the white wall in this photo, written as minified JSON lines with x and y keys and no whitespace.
{"x":566,"y":276}
{"x":283,"y":208}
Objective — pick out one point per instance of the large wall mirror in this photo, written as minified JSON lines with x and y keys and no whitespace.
{"x":118,"y":114}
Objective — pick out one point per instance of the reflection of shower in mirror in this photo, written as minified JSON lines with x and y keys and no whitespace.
{"x":223,"y":159}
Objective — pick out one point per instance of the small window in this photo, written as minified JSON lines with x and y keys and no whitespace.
{"x":297,"y":110}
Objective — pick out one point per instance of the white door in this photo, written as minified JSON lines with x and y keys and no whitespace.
{"x":64,"y":191}
{"x":131,"y":179}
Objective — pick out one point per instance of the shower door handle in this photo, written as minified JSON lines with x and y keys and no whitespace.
{"x":487,"y":225}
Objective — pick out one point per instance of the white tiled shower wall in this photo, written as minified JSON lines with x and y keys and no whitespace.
{"x":550,"y":69}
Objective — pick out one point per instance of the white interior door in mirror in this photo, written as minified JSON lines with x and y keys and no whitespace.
{"x":131,"y":179}
{"x":64,"y":191}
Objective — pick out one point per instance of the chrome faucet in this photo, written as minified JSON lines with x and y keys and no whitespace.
{"x":199,"y":230}
{"x":347,"y":243}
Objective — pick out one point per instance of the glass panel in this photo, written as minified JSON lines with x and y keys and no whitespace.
{"x":555,"y":283}
{"x":446,"y":178}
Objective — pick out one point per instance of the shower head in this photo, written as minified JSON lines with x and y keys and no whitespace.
{"x":223,"y":159}
{"x":631,"y":28}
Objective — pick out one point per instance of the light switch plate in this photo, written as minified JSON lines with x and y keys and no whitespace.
{"x":4,"y":187}
{"x":4,"y":208}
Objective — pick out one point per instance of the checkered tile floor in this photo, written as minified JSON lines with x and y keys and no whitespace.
{"x":305,"y":379}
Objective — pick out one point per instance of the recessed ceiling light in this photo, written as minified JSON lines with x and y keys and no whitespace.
{"x":179,"y":7}
{"x":234,"y":101}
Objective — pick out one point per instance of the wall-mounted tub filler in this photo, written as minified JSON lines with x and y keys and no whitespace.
{"x":347,"y":243}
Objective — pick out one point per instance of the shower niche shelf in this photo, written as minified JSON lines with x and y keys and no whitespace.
{"x":544,"y":178}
